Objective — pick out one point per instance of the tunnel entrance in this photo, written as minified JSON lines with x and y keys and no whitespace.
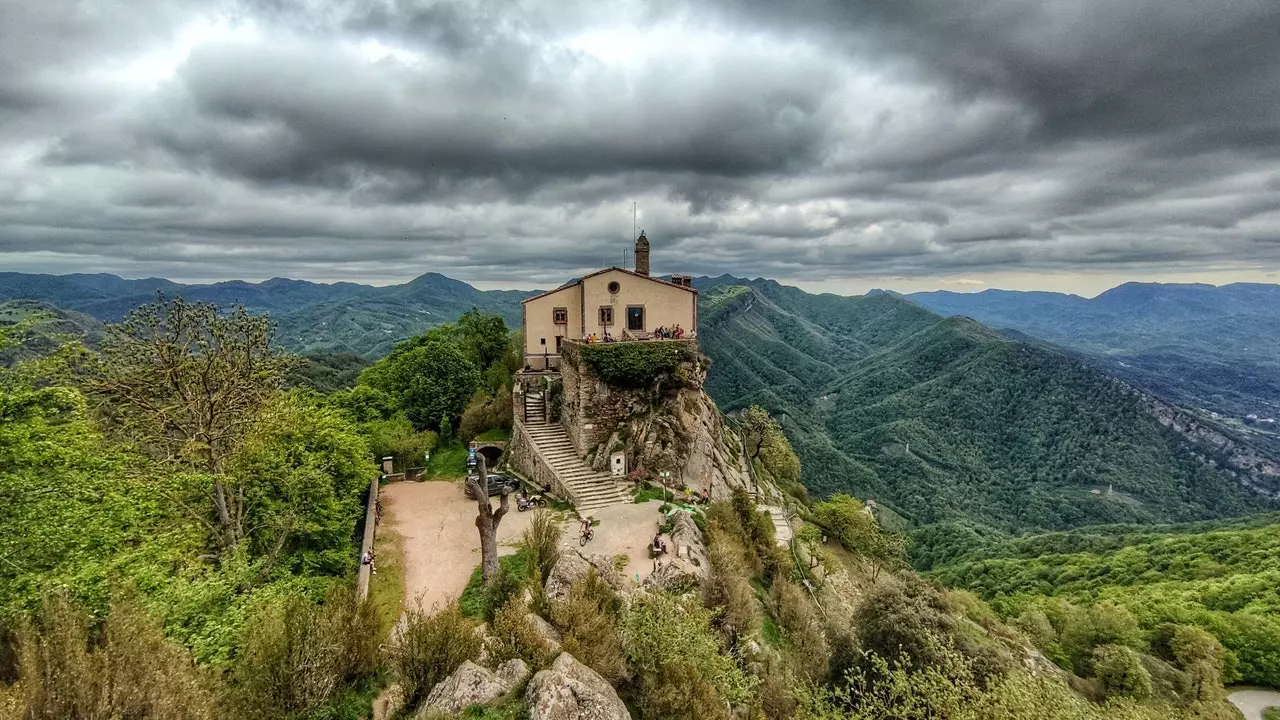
{"x":491,"y":455}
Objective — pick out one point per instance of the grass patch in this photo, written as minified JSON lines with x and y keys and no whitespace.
{"x":386,"y":589}
{"x":650,"y":492}
{"x":474,"y":601}
{"x":494,"y":434}
{"x":770,"y":630}
{"x":1272,"y":713}
{"x":514,"y":709}
{"x":447,"y":462}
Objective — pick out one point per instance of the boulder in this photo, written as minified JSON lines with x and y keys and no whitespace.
{"x":687,"y":565}
{"x":574,"y":566}
{"x":569,"y":690}
{"x":548,"y":633}
{"x":469,"y":685}
{"x":513,"y":672}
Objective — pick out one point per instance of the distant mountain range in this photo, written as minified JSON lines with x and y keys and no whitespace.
{"x":1201,"y":346}
{"x":311,"y":317}
{"x":938,"y":418}
{"x":945,"y":418}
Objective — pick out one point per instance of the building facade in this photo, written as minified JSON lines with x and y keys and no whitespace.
{"x":613,"y":303}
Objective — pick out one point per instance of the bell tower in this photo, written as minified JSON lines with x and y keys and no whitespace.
{"x":642,"y":255}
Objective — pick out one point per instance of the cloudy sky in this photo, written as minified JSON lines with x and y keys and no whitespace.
{"x":839,"y":144}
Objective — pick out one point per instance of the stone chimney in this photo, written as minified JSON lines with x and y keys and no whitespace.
{"x":642,"y":254}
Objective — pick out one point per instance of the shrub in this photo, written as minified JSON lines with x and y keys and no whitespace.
{"x":540,"y":544}
{"x":634,"y":365}
{"x":486,"y":411}
{"x":480,"y":602}
{"x":296,"y":656}
{"x":802,"y":630}
{"x":429,"y":646}
{"x":125,"y":670}
{"x":1120,"y":671}
{"x":729,"y":586}
{"x":904,"y":620}
{"x":680,"y":668}
{"x":512,"y":635}
{"x":588,"y":622}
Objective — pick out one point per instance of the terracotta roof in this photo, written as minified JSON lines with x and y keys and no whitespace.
{"x":578,"y":281}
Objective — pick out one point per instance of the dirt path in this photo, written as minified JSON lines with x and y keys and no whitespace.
{"x":624,"y":530}
{"x":1253,"y":702}
{"x":441,"y":547}
{"x":438,"y":537}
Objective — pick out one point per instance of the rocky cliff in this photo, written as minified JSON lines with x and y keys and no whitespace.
{"x":647,"y":401}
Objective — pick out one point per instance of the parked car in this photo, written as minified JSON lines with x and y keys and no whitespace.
{"x":498,"y":485}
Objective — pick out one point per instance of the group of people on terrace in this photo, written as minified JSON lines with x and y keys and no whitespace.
{"x":674,"y":332}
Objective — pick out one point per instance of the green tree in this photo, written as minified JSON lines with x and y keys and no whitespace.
{"x":187,"y":384}
{"x":849,"y":522}
{"x":486,"y":337}
{"x":1121,"y":673}
{"x":430,"y":379}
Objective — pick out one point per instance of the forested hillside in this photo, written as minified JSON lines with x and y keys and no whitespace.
{"x":1223,"y":577}
{"x":311,"y":317}
{"x":1200,"y":346}
{"x":944,"y":418}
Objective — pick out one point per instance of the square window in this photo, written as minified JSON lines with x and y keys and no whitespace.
{"x":606,"y":315}
{"x":635,"y":318}
{"x":561,"y":316}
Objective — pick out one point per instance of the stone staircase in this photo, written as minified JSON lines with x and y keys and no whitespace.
{"x":589,"y":489}
{"x":782,"y":529}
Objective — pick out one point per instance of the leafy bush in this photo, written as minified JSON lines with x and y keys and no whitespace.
{"x":540,"y":544}
{"x":802,"y":630}
{"x":588,"y":623}
{"x":729,"y":586}
{"x":681,"y":670}
{"x":488,"y":410}
{"x":635,"y":364}
{"x":429,"y":646}
{"x":71,"y":670}
{"x":1121,"y":673}
{"x":297,"y":657}
{"x":512,"y":635}
{"x":480,"y":602}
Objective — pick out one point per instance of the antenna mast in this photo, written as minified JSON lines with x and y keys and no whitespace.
{"x":633,"y":219}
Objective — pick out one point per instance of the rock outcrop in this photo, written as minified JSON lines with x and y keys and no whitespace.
{"x":1250,"y":467}
{"x":513,"y":672}
{"x":574,"y":566}
{"x":469,"y":685}
{"x":569,"y":690}
{"x":670,"y":430}
{"x":687,"y":565}
{"x":545,"y":630}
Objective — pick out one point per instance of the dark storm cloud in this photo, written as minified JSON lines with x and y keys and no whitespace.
{"x":498,"y":141}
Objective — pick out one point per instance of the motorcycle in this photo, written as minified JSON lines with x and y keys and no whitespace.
{"x":535,"y":501}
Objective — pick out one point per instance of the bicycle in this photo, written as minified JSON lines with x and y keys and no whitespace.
{"x":585,"y":537}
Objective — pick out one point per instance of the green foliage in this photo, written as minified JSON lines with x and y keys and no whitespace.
{"x":303,"y":475}
{"x":845,"y":518}
{"x":486,"y":337}
{"x":327,"y":372}
{"x":1121,"y":673}
{"x":488,"y":411}
{"x":540,"y":545}
{"x":431,"y":378}
{"x":298,"y":657}
{"x":1221,"y":578}
{"x":72,"y":669}
{"x":588,"y":621}
{"x":429,"y":646}
{"x":513,"y":635}
{"x":447,"y":461}
{"x":397,"y":439}
{"x":513,"y":575}
{"x":680,"y":668}
{"x":635,"y":364}
{"x":945,"y":420}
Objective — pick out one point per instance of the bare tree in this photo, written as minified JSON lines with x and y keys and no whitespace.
{"x":487,"y":519}
{"x":188,"y":384}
